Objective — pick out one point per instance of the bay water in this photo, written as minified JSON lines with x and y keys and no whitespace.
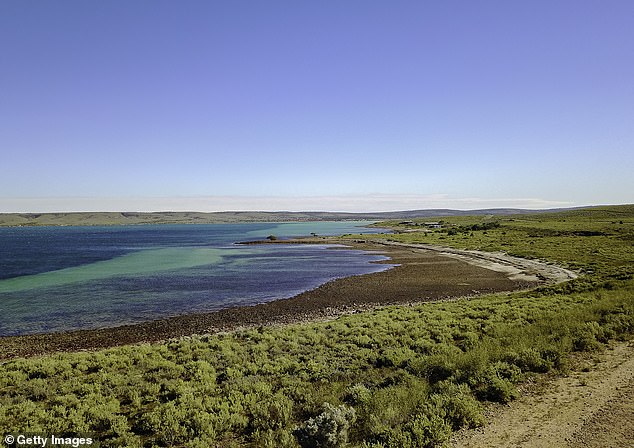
{"x":67,"y":278}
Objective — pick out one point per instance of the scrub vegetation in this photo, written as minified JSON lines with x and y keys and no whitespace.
{"x":400,"y":376}
{"x":593,"y":240}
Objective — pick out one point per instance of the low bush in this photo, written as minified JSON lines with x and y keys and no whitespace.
{"x":327,"y":430}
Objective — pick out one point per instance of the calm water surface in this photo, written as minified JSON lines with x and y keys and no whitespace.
{"x":65,"y":278}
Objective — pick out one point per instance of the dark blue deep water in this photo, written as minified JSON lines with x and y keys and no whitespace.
{"x":66,"y":278}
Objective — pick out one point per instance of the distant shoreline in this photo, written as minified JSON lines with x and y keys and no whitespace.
{"x":161,"y":218}
{"x":130,"y":218}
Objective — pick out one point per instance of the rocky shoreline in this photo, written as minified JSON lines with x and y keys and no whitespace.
{"x":423,"y":273}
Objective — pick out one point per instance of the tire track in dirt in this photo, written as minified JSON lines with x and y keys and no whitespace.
{"x":584,"y":409}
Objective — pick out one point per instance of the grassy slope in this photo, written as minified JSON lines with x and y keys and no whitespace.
{"x":132,"y":218}
{"x":120,"y":218}
{"x":397,"y":377}
{"x":593,"y":239}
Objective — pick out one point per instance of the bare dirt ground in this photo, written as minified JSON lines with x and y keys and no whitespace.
{"x":591,"y":407}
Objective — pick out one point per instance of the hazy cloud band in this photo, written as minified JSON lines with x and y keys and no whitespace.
{"x":362,"y":203}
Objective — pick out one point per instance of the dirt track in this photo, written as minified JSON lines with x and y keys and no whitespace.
{"x":593,"y":409}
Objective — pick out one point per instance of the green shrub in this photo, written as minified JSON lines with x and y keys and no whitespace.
{"x":327,"y":430}
{"x":493,"y":388}
{"x":358,"y":394}
{"x":280,"y":438}
{"x":424,"y":430}
{"x":271,"y":413}
{"x":529,"y":360}
{"x":459,"y":406}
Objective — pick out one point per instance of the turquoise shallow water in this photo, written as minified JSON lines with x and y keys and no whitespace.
{"x":137,"y":263}
{"x":65,"y":278}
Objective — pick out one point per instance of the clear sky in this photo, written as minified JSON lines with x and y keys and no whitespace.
{"x":320,"y":105}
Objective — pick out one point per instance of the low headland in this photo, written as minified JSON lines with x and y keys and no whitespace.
{"x":481,"y":313}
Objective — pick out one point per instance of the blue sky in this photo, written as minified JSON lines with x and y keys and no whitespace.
{"x":334,"y":105}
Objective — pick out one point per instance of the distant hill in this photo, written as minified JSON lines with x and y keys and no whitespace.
{"x":120,"y":218}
